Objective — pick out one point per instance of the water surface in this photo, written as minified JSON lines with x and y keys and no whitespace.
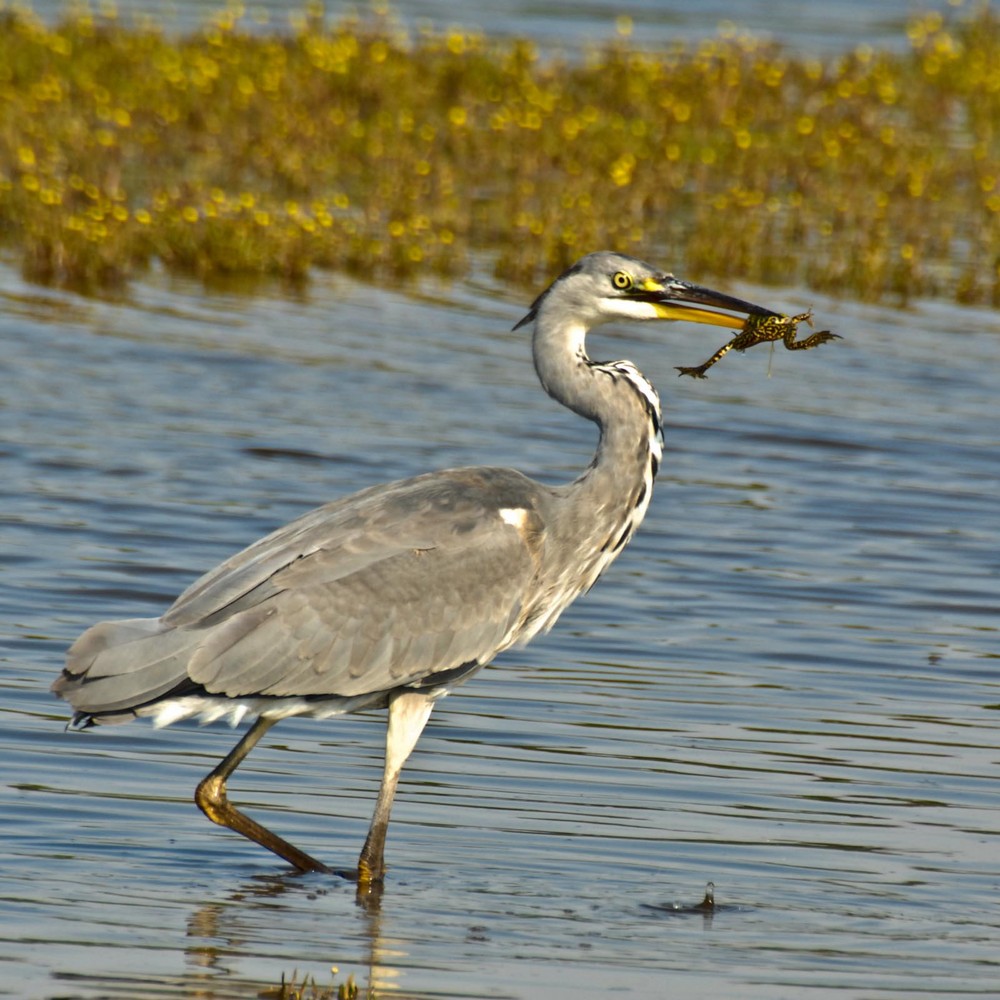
{"x":817,"y":28}
{"x":788,"y":685}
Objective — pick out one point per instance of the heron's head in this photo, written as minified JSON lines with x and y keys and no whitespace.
{"x":606,"y":286}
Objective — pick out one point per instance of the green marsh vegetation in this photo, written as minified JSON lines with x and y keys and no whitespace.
{"x":248,"y":148}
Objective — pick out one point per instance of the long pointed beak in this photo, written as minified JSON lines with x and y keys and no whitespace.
{"x":676,"y":299}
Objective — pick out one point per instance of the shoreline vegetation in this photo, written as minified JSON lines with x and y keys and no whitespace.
{"x":244,"y":148}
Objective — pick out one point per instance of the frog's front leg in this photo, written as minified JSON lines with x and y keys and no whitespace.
{"x":813,"y":340}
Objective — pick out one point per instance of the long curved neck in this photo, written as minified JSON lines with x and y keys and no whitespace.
{"x":615,"y":395}
{"x":608,"y":502}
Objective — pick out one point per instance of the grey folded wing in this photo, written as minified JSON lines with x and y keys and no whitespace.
{"x":383,"y":589}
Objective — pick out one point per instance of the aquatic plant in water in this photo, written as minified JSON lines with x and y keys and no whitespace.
{"x":247,"y":148}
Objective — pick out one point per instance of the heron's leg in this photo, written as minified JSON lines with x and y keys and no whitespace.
{"x":211,"y":799}
{"x":408,"y":714}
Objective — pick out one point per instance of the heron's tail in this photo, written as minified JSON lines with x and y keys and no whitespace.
{"x":115,"y":668}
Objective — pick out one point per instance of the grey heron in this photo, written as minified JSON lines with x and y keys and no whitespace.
{"x":393,"y":596}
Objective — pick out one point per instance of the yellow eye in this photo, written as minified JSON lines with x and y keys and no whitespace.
{"x":622,"y":281}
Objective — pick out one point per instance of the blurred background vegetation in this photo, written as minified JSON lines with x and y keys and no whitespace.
{"x":245,"y":148}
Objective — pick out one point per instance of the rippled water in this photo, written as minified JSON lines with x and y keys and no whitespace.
{"x":819,"y":28}
{"x":788,"y":685}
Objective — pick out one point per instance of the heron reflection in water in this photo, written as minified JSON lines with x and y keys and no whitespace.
{"x":392,"y":597}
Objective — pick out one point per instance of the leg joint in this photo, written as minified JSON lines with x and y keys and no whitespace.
{"x":210,"y":797}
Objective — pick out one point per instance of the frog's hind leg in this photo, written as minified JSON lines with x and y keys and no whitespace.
{"x":698,"y":371}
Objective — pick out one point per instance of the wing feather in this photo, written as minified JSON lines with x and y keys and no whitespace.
{"x":363,"y":595}
{"x":399,"y":618}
